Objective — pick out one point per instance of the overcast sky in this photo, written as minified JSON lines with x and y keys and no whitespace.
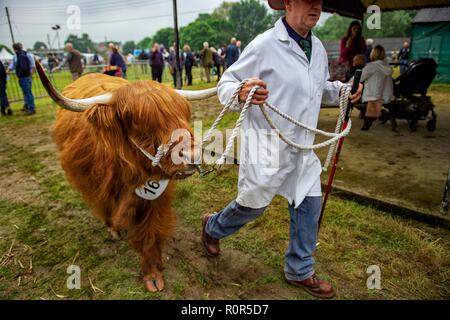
{"x":118,"y":20}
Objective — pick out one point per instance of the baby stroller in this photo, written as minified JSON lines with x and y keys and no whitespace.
{"x":410,"y":96}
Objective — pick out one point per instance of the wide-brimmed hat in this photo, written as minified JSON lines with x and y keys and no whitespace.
{"x":277,"y":4}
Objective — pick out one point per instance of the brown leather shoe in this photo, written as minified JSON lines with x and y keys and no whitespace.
{"x":210,"y":244}
{"x":315,"y":287}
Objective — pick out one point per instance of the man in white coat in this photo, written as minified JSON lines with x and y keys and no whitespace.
{"x":291,"y":63}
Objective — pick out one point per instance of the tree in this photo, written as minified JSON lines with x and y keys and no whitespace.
{"x":249,"y":18}
{"x":39,"y":45}
{"x":393,"y":24}
{"x":334,"y":28}
{"x":145,"y":43}
{"x":223,"y":11}
{"x":165,"y":36}
{"x":6,"y":48}
{"x":82,"y":44}
{"x":128,"y":47}
{"x":205,"y":28}
{"x":196,"y":33}
{"x":225,"y":33}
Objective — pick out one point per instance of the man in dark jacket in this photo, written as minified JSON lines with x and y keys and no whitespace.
{"x":4,"y":103}
{"x":173,"y":67}
{"x":74,"y":60}
{"x":143,"y":60}
{"x":23,"y":64}
{"x":232,"y":54}
{"x":188,"y":63}
{"x":157,"y":63}
{"x":403,"y":57}
{"x":217,"y":62}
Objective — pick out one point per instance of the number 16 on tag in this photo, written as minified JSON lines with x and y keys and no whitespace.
{"x":152,"y":190}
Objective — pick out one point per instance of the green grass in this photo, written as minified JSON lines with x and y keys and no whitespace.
{"x":47,"y":226}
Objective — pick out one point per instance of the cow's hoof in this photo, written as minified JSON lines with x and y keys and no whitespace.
{"x":154,"y":282}
{"x":118,"y":235}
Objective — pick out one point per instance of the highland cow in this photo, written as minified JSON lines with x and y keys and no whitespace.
{"x":105,"y":133}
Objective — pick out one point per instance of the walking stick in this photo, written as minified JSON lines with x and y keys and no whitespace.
{"x":445,"y":199}
{"x":348,"y":113}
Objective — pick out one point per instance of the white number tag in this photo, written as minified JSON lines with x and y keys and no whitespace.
{"x":152,"y":190}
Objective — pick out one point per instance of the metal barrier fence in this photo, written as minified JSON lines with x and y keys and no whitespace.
{"x":63,"y":77}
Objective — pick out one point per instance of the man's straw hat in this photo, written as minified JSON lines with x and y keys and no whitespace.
{"x":276,"y":4}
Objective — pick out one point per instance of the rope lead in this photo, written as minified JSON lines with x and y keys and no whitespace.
{"x":332,"y":142}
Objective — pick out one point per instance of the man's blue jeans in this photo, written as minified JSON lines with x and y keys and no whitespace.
{"x":25,"y":85}
{"x":299,"y":260}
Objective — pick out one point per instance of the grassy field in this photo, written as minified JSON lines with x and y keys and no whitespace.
{"x":45,"y":227}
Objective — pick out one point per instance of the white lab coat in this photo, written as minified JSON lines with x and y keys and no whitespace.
{"x":295,"y":86}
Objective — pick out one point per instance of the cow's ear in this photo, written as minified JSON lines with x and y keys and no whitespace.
{"x":102,"y":116}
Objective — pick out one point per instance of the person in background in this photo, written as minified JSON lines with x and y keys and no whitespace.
{"x":24,"y":65}
{"x":143,"y":57}
{"x":130,"y":58}
{"x":4,"y":103}
{"x":156,"y":62}
{"x":109,"y":52}
{"x":51,"y":61}
{"x":206,"y":56}
{"x":352,"y":44}
{"x":283,"y":70}
{"x":378,"y":86}
{"x":73,"y":58}
{"x":117,"y":60}
{"x":238,"y":45}
{"x":173,"y":66}
{"x":164,"y":52}
{"x":403,"y":57}
{"x":217,"y":62}
{"x":359,"y":61}
{"x":188,"y":63}
{"x":369,"y":47}
{"x":232,"y":53}
{"x":223,"y":54}
{"x":96,"y":59}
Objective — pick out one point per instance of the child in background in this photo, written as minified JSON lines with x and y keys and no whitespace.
{"x":378,"y":85}
{"x":359,"y":61}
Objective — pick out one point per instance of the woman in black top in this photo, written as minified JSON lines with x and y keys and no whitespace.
{"x":188,"y":63}
{"x":4,"y":103}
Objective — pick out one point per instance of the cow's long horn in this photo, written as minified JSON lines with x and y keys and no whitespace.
{"x":198,"y":94}
{"x":76,"y":105}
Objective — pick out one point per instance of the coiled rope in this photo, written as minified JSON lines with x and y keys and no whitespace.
{"x":232,"y":103}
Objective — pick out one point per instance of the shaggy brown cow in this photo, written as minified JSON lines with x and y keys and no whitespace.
{"x":100,"y":151}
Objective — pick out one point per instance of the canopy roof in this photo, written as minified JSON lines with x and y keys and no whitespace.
{"x":357,"y":8}
{"x":5,"y":55}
